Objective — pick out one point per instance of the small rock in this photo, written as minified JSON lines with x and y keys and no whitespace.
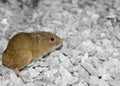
{"x":65,"y":62}
{"x":51,"y":72}
{"x":102,"y":83}
{"x":88,"y":45}
{"x":106,"y":76}
{"x":41,"y":69}
{"x":67,"y":78}
{"x":86,"y":33}
{"x":90,"y":69}
{"x":85,"y":57}
{"x":58,"y":81}
{"x":33,"y":72}
{"x":4,"y":22}
{"x":3,"y":44}
{"x":80,"y":84}
{"x":94,"y":81}
{"x":14,"y":77}
{"x":4,"y":82}
{"x":99,"y":49}
{"x":53,"y":61}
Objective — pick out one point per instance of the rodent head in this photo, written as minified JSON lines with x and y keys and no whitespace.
{"x":46,"y":41}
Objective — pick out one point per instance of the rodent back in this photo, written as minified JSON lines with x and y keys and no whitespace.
{"x":20,"y":41}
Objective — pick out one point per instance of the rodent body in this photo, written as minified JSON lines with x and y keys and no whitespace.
{"x":24,"y":48}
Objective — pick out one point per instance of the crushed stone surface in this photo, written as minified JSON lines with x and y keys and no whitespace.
{"x":90,"y":30}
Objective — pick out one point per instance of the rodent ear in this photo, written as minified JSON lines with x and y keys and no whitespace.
{"x":37,"y":39}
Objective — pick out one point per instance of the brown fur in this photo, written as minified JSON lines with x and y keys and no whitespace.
{"x":24,"y":48}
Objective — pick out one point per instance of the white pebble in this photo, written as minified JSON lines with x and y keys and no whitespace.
{"x":33,"y":72}
{"x":103,"y":83}
{"x":94,"y":81}
{"x":86,"y":33}
{"x":90,"y":69}
{"x":50,"y":72}
{"x":53,"y":61}
{"x":65,"y":62}
{"x":4,"y":82}
{"x":4,"y":22}
{"x":80,"y":84}
{"x":67,"y":78}
{"x":88,"y":45}
{"x":85,"y":57}
{"x":58,"y":81}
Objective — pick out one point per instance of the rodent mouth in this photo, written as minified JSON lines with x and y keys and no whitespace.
{"x":59,"y":47}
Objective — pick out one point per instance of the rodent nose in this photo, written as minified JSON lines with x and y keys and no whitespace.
{"x":59,"y":47}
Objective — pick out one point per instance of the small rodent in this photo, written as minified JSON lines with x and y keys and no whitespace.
{"x":23,"y":48}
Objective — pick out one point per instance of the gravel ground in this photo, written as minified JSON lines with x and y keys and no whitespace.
{"x":90,"y":30}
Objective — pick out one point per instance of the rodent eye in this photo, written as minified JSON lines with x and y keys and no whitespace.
{"x":52,"y":39}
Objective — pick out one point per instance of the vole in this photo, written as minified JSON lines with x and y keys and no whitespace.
{"x":23,"y":48}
